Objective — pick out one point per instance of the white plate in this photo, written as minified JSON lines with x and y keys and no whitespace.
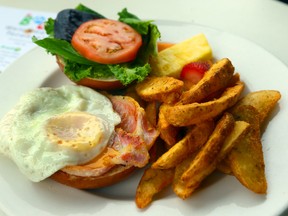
{"x":220,"y":194}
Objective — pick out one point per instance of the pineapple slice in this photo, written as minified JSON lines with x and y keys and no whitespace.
{"x":170,"y":61}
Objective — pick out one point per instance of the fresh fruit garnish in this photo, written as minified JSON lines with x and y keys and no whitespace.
{"x":170,"y":61}
{"x":193,"y":72}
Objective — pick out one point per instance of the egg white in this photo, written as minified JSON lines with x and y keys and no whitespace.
{"x":24,"y":136}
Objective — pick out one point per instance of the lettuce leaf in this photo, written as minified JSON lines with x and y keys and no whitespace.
{"x":77,"y":71}
{"x":142,"y":27}
{"x":147,"y":29}
{"x":127,"y":74}
{"x":123,"y":72}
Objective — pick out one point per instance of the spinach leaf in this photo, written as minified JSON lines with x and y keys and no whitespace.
{"x":63,"y":49}
{"x":83,"y":8}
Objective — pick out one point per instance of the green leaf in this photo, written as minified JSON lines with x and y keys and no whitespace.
{"x":148,"y":30}
{"x":62,"y":48}
{"x":76,"y":71}
{"x":49,"y":27}
{"x":125,"y":14}
{"x":82,"y":7}
{"x":129,"y":73}
{"x":153,"y":40}
{"x":142,"y":27}
{"x":126,"y":73}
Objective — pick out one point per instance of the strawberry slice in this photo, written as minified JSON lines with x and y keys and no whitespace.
{"x":193,"y":72}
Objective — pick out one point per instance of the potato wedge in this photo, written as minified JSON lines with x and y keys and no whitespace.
{"x":188,"y":114}
{"x":151,"y":110}
{"x":240,"y":130}
{"x":201,"y":167}
{"x":180,"y":188}
{"x":152,"y":182}
{"x":205,"y":161}
{"x":168,"y":132}
{"x":246,"y":159}
{"x":224,"y":167}
{"x":192,"y":141}
{"x":264,"y":101}
{"x":235,"y":78}
{"x":190,"y":173}
{"x":163,"y":89}
{"x":216,"y":78}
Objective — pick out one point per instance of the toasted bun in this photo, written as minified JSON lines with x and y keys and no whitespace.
{"x":115,"y":175}
{"x":100,"y":84}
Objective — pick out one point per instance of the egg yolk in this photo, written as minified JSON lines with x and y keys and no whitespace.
{"x":77,"y":130}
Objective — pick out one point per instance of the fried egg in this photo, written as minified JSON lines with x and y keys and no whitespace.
{"x":51,"y":128}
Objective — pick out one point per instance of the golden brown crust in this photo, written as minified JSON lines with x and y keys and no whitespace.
{"x":116,"y":174}
{"x":164,"y":89}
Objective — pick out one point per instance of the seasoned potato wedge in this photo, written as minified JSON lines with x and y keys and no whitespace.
{"x":233,"y":81}
{"x":190,"y":173}
{"x":246,"y":159}
{"x":151,"y":110}
{"x":152,"y":182}
{"x":263,"y":101}
{"x":192,"y":141}
{"x":216,"y":78}
{"x":188,"y":114}
{"x":180,"y":187}
{"x":224,"y":167}
{"x":205,"y":161}
{"x":185,"y":187}
{"x":168,"y":132}
{"x":240,"y":130}
{"x":163,"y":89}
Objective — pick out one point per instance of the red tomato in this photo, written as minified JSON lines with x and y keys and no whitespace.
{"x":107,"y":41}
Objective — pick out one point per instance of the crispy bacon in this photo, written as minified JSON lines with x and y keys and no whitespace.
{"x":133,"y":119}
{"x":129,"y":145}
{"x":132,"y":149}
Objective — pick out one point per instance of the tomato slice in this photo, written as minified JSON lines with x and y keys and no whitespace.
{"x":107,"y":41}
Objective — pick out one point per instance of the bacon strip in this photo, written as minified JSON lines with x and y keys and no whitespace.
{"x":133,"y":119}
{"x":130,"y":144}
{"x":132,"y":149}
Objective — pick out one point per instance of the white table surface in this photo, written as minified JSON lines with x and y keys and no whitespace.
{"x":262,"y":21}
